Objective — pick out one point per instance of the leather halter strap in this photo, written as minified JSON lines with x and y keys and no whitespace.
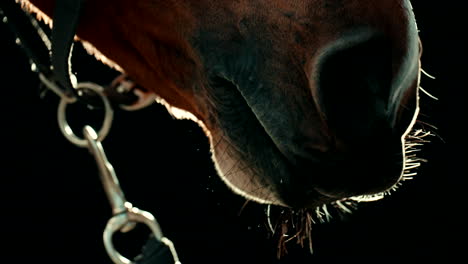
{"x":65,"y":19}
{"x":51,"y":57}
{"x":30,"y":35}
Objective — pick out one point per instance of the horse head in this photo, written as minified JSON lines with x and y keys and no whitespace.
{"x":304,"y":102}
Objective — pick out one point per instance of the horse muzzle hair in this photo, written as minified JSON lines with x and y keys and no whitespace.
{"x":304,"y":102}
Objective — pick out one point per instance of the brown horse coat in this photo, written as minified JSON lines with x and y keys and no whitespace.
{"x":304,"y":102}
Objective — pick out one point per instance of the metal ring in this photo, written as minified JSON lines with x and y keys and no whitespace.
{"x":106,"y":125}
{"x":138,"y":216}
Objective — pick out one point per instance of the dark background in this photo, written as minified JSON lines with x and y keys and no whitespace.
{"x":53,"y":208}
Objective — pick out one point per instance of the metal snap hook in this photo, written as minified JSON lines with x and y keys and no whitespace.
{"x":65,"y":127}
{"x":109,"y":179}
{"x":125,"y":215}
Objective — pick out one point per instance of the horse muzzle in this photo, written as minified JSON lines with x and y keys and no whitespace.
{"x":368,"y":100}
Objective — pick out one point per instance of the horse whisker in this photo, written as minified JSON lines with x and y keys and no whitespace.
{"x":427,"y":74}
{"x":428,"y":94}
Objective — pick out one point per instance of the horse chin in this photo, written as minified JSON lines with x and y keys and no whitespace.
{"x":266,"y":178}
{"x":239,"y":175}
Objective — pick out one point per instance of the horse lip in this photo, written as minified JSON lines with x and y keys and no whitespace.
{"x":296,"y":193}
{"x":325,"y":194}
{"x":334,"y":176}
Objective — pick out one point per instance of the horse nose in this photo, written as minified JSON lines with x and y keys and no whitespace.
{"x":355,"y":82}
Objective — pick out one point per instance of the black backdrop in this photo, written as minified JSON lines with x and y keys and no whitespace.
{"x":54,"y":210}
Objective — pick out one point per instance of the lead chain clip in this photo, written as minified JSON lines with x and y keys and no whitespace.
{"x":125,"y":216}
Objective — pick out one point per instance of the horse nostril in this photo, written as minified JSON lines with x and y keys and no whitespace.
{"x":354,"y":86}
{"x":354,"y":81}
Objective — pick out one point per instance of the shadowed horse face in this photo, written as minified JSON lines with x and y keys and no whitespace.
{"x":304,"y":102}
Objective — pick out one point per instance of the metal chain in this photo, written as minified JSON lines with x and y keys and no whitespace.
{"x":125,"y":216}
